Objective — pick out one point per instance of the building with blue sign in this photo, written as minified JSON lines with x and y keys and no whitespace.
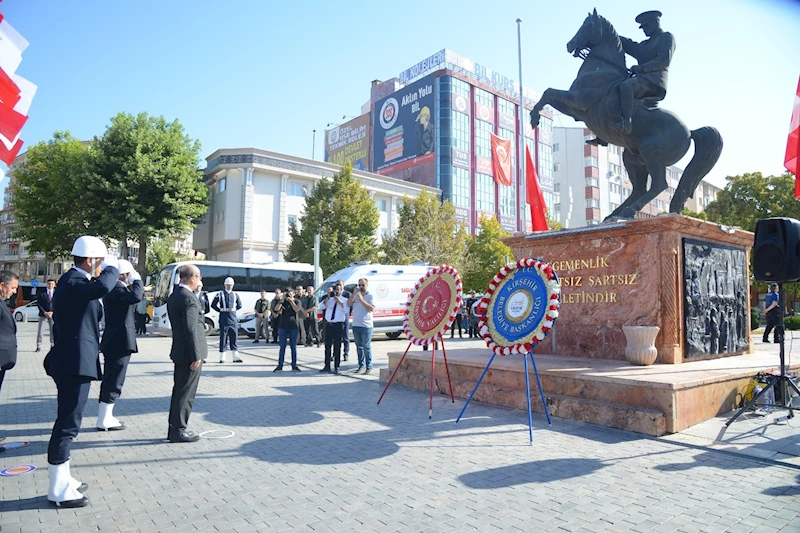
{"x":432,"y":125}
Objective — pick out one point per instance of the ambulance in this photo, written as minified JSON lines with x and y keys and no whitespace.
{"x":389,"y":285}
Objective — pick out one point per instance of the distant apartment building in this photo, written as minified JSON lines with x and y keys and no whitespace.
{"x":592,"y":181}
{"x":257,"y":195}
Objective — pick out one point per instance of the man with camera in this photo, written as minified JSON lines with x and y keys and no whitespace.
{"x":335,"y":310}
{"x":363,"y":305}
{"x":287,"y":310}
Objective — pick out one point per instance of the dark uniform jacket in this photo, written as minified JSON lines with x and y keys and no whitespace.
{"x":226,"y":300}
{"x":76,"y":315}
{"x":8,"y":338}
{"x":119,"y":337}
{"x":654,"y":56}
{"x":188,"y":329}
{"x":45,"y":305}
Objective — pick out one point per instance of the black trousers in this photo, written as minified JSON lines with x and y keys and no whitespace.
{"x":772,"y":321}
{"x":274,"y":322}
{"x":141,"y":323}
{"x":456,"y":324}
{"x":333,"y":339}
{"x":346,"y":337}
{"x":73,"y":391}
{"x":183,"y":392}
{"x":115,"y":366}
{"x":312,"y":331}
{"x":228,"y":334}
{"x":302,"y":335}
{"x":2,"y":375}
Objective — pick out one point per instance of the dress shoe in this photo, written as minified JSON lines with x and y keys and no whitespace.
{"x":278,"y":369}
{"x":335,"y":371}
{"x":38,"y":350}
{"x":255,"y":342}
{"x":325,"y":370}
{"x":296,"y":369}
{"x":765,"y":340}
{"x":368,"y":371}
{"x":184,"y":436}
{"x":357,"y":370}
{"x":238,"y":360}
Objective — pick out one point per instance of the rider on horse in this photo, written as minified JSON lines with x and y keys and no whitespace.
{"x":648,"y":78}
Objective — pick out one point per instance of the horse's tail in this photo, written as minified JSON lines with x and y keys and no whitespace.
{"x":707,"y":149}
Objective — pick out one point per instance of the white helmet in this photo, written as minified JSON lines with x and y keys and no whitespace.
{"x":125,"y":266}
{"x":88,"y":246}
{"x":228,"y":281}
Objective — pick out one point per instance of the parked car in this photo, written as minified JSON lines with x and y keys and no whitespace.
{"x":27,"y":313}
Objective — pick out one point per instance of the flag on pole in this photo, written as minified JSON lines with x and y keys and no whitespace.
{"x":534,"y":195}
{"x":791,"y":161}
{"x":501,"y":160}
{"x":12,"y":44}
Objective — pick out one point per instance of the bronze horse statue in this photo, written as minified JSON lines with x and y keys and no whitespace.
{"x":658,"y":138}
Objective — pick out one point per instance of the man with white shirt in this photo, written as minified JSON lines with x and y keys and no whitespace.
{"x":44,"y":303}
{"x":74,"y":361}
{"x":363,"y":304}
{"x":226,"y":303}
{"x":335,"y":310}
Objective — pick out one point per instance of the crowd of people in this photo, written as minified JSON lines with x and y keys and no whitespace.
{"x":102,"y":289}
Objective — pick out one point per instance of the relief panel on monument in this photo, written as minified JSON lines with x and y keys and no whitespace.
{"x":715,"y":299}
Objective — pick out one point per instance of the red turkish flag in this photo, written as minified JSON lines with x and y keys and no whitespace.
{"x":501,"y":160}
{"x":534,"y":195}
{"x":7,"y":156}
{"x":793,"y":144}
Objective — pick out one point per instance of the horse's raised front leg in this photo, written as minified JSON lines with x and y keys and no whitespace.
{"x":568,"y":102}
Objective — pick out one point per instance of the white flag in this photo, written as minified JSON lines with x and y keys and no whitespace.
{"x":12,"y":44}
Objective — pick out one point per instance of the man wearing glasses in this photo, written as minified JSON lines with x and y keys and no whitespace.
{"x":362,"y":304}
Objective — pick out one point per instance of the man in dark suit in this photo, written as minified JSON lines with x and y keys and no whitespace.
{"x":119,"y":342}
{"x":8,"y":328}
{"x":44,"y":303}
{"x":189,"y":348}
{"x":74,"y":360}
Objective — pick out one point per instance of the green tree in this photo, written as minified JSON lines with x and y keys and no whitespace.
{"x":160,"y":253}
{"x":345,"y":217}
{"x":146,"y":171}
{"x":52,"y":203}
{"x":429,"y":232}
{"x":487,"y":254}
{"x":702,"y":215}
{"x":748,"y":198}
{"x":553,"y":223}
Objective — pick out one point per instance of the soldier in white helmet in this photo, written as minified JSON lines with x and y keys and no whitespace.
{"x":119,"y":341}
{"x":74,"y":360}
{"x":226,"y":303}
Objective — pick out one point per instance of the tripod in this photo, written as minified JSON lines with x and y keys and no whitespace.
{"x":781,"y":383}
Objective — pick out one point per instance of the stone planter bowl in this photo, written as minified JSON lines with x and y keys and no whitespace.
{"x":641,"y":348}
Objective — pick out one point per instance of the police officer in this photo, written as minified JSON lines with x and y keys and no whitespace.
{"x":119,"y":342}
{"x":74,"y":360}
{"x":226,"y":303}
{"x":649,"y":77}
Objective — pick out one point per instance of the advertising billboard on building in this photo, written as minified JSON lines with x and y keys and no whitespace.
{"x":404,"y":143}
{"x":349,"y":143}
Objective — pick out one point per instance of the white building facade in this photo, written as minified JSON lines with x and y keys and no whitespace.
{"x":257,"y":194}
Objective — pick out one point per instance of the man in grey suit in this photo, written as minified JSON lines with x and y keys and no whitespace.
{"x":189,"y":349}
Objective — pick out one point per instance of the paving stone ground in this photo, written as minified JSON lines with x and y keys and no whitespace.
{"x":313,"y":452}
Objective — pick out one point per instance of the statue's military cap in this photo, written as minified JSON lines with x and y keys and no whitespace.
{"x":648,"y":16}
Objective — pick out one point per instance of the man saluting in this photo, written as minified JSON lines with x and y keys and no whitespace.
{"x":119,"y":342}
{"x":649,"y":77}
{"x":74,"y":360}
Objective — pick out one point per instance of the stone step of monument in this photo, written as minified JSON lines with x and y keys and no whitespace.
{"x":512,"y":394}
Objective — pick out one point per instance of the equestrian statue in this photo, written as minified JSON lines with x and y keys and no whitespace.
{"x":621,"y":107}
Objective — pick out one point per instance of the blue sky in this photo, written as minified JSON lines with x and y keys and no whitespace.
{"x":265,"y":74}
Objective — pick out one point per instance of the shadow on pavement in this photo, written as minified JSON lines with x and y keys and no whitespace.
{"x":543,"y":471}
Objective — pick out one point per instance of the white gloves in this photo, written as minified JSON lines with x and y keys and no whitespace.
{"x":134,"y":276}
{"x":110,"y":261}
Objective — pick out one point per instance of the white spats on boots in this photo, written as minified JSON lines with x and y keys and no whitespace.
{"x":221,"y":357}
{"x":62,"y":490}
{"x":106,"y":420}
{"x":236,"y":358}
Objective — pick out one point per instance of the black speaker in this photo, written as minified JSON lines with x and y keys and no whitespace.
{"x":776,"y":250}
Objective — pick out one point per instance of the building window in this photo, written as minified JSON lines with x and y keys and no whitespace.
{"x":295,"y":189}
{"x":381,"y":204}
{"x":461,"y":187}
{"x":612,"y":206}
{"x":591,"y":202}
{"x":556,"y":187}
{"x":592,"y":182}
{"x":483,"y":142}
{"x":221,"y":185}
{"x":545,"y":160}
{"x":556,"y":167}
{"x":590,"y":162}
{"x":555,"y":147}
{"x":292,"y":219}
{"x":484,"y":97}
{"x":220,"y":216}
{"x":615,"y":188}
{"x":484,"y":188}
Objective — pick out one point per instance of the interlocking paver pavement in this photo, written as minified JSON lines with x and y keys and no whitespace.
{"x":313,"y":452}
